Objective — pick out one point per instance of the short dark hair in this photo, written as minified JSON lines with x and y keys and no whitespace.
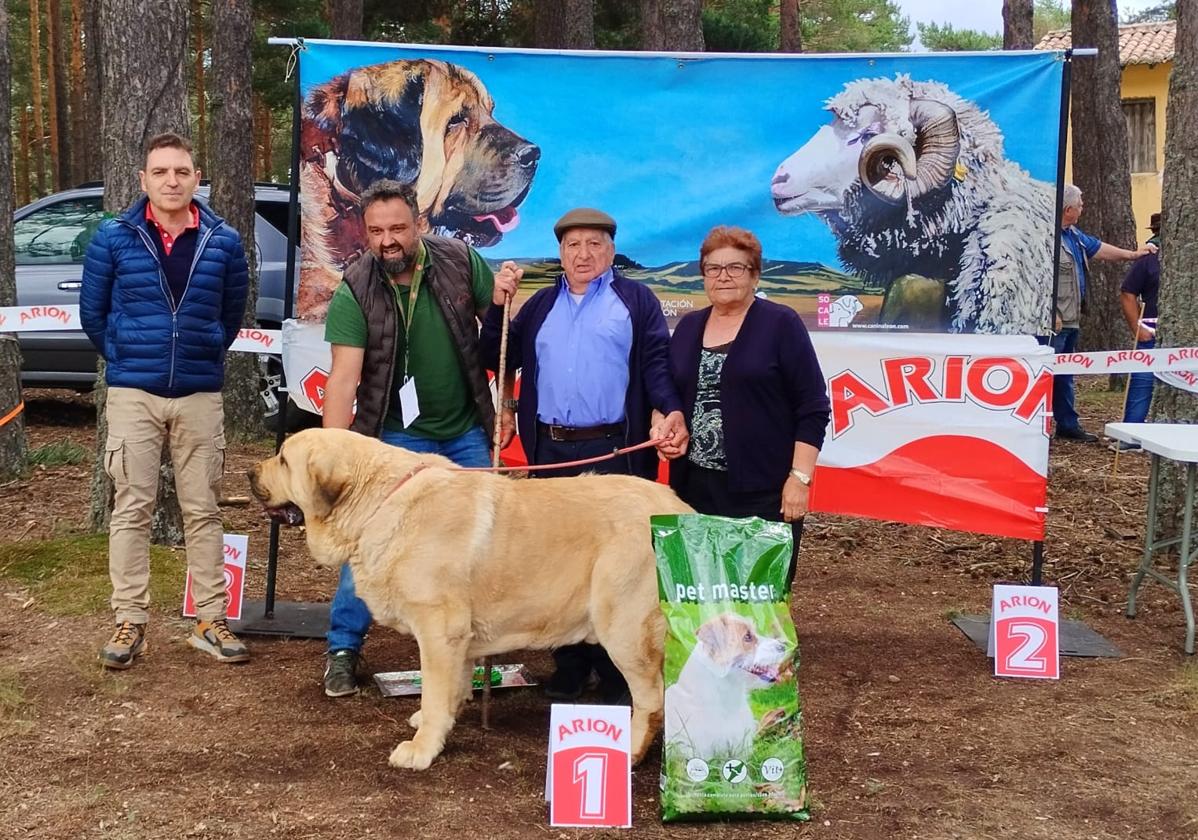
{"x":169,"y":140}
{"x":388,"y":190}
{"x":724,"y":236}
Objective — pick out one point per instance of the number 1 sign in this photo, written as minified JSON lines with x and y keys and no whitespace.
{"x":589,"y":779}
{"x":1023,"y":632}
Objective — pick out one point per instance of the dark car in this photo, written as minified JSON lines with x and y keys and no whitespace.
{"x":51,"y":236}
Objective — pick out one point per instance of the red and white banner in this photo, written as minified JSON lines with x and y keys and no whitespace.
{"x":941,"y":430}
{"x":1127,"y":361}
{"x":39,"y":318}
{"x":252,"y":340}
{"x":235,"y":548}
{"x":1024,"y":632}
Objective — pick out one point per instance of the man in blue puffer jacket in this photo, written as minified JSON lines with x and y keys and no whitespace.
{"x":164,"y":289}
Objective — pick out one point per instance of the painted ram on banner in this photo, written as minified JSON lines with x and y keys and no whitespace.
{"x":913,"y":182}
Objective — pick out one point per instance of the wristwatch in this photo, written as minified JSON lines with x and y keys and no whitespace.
{"x":512,"y":404}
{"x":803,"y":477}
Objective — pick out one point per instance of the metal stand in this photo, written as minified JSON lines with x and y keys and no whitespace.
{"x":295,"y":619}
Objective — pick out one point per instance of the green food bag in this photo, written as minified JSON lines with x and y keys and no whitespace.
{"x":733,"y":745}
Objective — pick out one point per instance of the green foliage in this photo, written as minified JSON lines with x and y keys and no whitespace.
{"x":1049,"y":15}
{"x":854,"y":26}
{"x":59,"y":453}
{"x":1159,"y":13}
{"x":69,"y":576}
{"x":938,"y":38}
{"x":740,"y":26}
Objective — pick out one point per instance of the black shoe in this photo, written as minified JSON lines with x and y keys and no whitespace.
{"x":1078,"y":434}
{"x":341,"y":673}
{"x":1124,"y":446}
{"x":614,"y":692}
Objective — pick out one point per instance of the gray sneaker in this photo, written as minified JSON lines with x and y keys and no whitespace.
{"x":128,"y":640}
{"x":216,"y":639}
{"x":341,"y":673}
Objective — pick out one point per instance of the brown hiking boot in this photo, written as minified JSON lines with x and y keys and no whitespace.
{"x":128,"y":640}
{"x":215,"y":638}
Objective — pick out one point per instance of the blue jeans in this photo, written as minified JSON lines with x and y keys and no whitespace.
{"x":349,"y":618}
{"x":1139,"y":390}
{"x":1063,"y":411}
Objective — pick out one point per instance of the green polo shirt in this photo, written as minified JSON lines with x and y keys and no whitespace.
{"x":446,"y":407}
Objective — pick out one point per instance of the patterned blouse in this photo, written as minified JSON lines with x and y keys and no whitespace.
{"x":707,"y":423}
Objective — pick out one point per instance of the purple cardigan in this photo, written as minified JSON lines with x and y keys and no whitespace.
{"x":772,"y":393}
{"x":649,"y":383}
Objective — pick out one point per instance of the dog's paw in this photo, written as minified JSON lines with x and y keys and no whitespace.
{"x":414,"y":720}
{"x":407,"y":756}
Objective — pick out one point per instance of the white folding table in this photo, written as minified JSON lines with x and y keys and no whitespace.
{"x":1177,"y":442}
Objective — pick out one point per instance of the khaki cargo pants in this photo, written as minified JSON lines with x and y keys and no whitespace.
{"x":138,"y":424}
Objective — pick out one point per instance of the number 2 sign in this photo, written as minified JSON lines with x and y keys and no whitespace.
{"x":1023,"y":632}
{"x":589,"y":779}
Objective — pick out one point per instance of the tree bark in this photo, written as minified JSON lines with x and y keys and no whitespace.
{"x":78,"y":157}
{"x":35,"y":84}
{"x":345,"y":19}
{"x":672,"y":25}
{"x":1179,"y":250}
{"x":264,"y":120}
{"x":233,"y":189}
{"x":23,"y":187}
{"x":1101,"y":168}
{"x":790,"y":37}
{"x":1017,"y":25}
{"x":93,"y":63}
{"x":201,"y":139}
{"x":13,"y":453}
{"x":145,"y":93}
{"x":565,"y":24}
{"x":56,"y":86}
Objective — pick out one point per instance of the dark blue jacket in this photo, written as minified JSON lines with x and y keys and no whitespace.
{"x":649,"y":382}
{"x":772,"y":393}
{"x":128,"y":314}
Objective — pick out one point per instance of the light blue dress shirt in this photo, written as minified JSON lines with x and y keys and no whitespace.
{"x":583,"y":350}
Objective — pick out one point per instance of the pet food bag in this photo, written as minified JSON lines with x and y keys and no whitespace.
{"x":733,"y":744}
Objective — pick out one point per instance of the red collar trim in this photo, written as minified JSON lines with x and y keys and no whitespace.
{"x":193,"y":222}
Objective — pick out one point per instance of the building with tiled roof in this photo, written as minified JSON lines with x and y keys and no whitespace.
{"x":1146,"y":53}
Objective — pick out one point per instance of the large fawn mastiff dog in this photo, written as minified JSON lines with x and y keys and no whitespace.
{"x":475,"y":564}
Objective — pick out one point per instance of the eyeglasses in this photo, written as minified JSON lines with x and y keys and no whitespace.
{"x":735,"y":270}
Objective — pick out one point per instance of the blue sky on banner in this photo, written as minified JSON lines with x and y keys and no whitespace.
{"x":672,"y":148}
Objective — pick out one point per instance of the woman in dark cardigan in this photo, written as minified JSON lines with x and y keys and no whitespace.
{"x":752,"y":393}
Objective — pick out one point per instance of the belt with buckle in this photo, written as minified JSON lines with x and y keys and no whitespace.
{"x":573,"y":433}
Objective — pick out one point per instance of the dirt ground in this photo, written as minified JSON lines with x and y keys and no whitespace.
{"x":907,"y":734}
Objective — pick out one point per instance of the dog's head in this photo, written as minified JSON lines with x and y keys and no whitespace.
{"x":308,"y":478}
{"x":429,"y":124}
{"x":734,"y":648}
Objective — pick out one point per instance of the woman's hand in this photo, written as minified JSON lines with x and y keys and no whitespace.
{"x":795,"y":496}
{"x":671,"y":433}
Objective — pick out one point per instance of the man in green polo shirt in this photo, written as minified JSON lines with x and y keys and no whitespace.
{"x":404,"y":333}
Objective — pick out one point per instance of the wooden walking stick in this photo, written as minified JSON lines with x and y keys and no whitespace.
{"x":499,"y":379}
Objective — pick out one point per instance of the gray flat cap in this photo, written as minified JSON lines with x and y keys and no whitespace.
{"x":585,"y":217}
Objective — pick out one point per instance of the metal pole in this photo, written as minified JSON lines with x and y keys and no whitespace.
{"x":1062,"y":142}
{"x":1038,"y":563}
{"x":272,"y":561}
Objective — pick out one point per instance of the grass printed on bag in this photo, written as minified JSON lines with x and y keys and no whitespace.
{"x":733,"y":744}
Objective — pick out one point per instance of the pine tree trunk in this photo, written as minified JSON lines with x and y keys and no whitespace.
{"x":565,"y":24}
{"x":93,"y":75}
{"x":60,"y":115}
{"x":201,"y":138}
{"x":145,"y":94}
{"x":345,"y":19}
{"x":233,"y":190}
{"x":79,"y":136}
{"x":1179,"y":248}
{"x":1101,"y":168}
{"x":652,"y":36}
{"x":790,"y":37}
{"x":23,"y":186}
{"x":264,"y":120}
{"x":13,"y":454}
{"x":35,"y":83}
{"x":672,"y":25}
{"x":1017,"y":25}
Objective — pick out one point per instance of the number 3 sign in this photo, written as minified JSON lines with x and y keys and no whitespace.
{"x":1023,"y":632}
{"x":589,"y":779}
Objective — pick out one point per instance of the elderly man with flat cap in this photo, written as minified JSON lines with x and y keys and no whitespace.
{"x":593,"y":348}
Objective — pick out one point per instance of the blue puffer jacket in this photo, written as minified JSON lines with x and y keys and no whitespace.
{"x":127,"y":311}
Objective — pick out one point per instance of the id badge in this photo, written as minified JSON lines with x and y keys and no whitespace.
{"x":409,"y":405}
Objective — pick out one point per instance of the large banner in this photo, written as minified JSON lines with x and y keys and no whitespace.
{"x":911,"y":192}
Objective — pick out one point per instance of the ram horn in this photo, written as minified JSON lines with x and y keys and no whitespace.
{"x":926,"y":166}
